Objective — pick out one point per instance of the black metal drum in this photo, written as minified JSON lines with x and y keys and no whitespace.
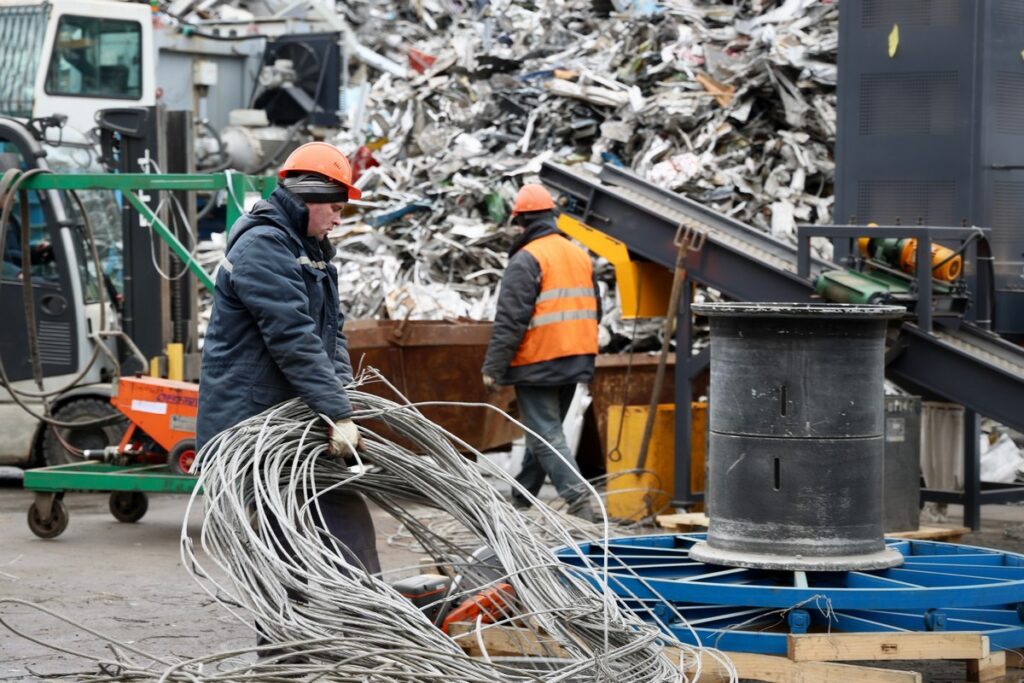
{"x":795,"y":459}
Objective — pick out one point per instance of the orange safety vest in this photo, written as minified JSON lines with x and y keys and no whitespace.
{"x":564,"y":321}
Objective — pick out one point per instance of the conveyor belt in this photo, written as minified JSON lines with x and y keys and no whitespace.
{"x":998,"y":352}
{"x":969,"y":366}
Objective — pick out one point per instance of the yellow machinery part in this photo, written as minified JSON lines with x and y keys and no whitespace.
{"x":644,"y":287}
{"x":176,"y":361}
{"x":948,"y":272}
{"x":864,"y":243}
{"x":633,"y":495}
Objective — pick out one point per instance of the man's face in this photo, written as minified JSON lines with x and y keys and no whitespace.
{"x":323,"y":218}
{"x":517,"y":226}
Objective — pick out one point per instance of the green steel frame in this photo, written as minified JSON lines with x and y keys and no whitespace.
{"x":236,"y":185}
{"x":98,"y":476}
{"x":51,"y":482}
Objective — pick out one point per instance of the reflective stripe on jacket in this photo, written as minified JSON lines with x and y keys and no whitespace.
{"x":564,"y":320}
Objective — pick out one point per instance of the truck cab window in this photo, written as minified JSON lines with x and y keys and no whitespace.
{"x":96,"y":57}
{"x":40,"y":251}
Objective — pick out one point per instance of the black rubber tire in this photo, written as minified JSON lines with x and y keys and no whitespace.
{"x":94,"y":437}
{"x":174,"y":461}
{"x":128,"y":506}
{"x":52,"y":527}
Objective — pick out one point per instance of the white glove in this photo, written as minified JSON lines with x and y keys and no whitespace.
{"x":490,"y":384}
{"x":344,"y":438}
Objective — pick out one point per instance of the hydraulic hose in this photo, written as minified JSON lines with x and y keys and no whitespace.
{"x":10,"y":189}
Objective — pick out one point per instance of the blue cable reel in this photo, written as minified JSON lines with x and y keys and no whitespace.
{"x":939,"y":587}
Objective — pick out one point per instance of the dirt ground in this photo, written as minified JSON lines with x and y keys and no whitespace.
{"x":126,"y":581}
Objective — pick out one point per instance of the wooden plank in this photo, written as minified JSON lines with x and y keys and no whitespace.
{"x":845,"y":647}
{"x":513,"y":641}
{"x":772,"y":669}
{"x":688,"y":521}
{"x":932,"y":533}
{"x":991,"y":668}
{"x":685,"y":521}
{"x":504,"y":641}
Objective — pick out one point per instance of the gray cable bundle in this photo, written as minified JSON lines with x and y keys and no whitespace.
{"x":350,"y":625}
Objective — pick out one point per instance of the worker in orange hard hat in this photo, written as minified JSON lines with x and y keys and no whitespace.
{"x":533,"y":199}
{"x":275,"y":333}
{"x":544,"y":341}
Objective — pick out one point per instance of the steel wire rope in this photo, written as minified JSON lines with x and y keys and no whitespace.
{"x":259,"y":442}
{"x":314,"y":602}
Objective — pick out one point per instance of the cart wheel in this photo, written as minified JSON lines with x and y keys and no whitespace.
{"x":52,"y":527}
{"x":182,"y":456}
{"x":128,"y":506}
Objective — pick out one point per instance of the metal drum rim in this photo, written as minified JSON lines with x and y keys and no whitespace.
{"x":798,"y":310}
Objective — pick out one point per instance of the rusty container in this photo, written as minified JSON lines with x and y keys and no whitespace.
{"x":435,"y":361}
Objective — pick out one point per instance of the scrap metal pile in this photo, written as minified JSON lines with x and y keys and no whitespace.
{"x":731,"y":103}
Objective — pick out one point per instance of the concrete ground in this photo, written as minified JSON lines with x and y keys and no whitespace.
{"x":126,"y":581}
{"x":123,"y":580}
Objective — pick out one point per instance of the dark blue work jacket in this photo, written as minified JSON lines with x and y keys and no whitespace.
{"x":275,"y":332}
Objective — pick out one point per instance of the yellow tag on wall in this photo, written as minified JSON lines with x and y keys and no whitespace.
{"x":894,"y":40}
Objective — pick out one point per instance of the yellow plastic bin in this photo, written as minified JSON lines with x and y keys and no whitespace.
{"x":636,"y":495}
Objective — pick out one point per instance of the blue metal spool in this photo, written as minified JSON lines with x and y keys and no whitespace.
{"x":940,"y":587}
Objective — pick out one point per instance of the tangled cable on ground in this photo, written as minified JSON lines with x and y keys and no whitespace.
{"x":636,"y":522}
{"x":328,"y":619}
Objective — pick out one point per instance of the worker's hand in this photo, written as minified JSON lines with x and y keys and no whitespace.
{"x":490,"y":384}
{"x":344,"y":438}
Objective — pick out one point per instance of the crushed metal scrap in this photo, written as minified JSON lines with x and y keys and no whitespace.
{"x":732,"y":104}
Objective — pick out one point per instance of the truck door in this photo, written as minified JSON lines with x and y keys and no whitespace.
{"x":57,"y":287}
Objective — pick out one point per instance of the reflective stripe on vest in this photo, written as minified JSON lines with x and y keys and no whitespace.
{"x":564,"y":321}
{"x":561,"y":316}
{"x":565,"y":292}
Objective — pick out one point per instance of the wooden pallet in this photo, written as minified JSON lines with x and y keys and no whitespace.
{"x":813,"y":658}
{"x":982,"y":663}
{"x":698,"y":521}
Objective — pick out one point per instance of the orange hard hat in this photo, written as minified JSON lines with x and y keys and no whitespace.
{"x":322,"y":158}
{"x":532,"y":197}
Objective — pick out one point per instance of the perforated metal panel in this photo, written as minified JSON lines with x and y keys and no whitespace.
{"x":1010,"y":11}
{"x":1009,"y":102}
{"x":877,"y":13}
{"x":934,"y":132}
{"x":891,"y":202}
{"x":54,"y":343}
{"x":1007,"y":219}
{"x":909,"y":103}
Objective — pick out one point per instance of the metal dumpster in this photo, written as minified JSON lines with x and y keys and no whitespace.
{"x":431,"y":360}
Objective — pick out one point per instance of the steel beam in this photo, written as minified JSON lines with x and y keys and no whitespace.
{"x":649,"y":228}
{"x":967,"y":375}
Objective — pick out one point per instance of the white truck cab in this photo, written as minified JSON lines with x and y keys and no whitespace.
{"x":75,"y":57}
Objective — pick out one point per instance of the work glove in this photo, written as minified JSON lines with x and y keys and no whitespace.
{"x":344,"y":438}
{"x":490,"y":384}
